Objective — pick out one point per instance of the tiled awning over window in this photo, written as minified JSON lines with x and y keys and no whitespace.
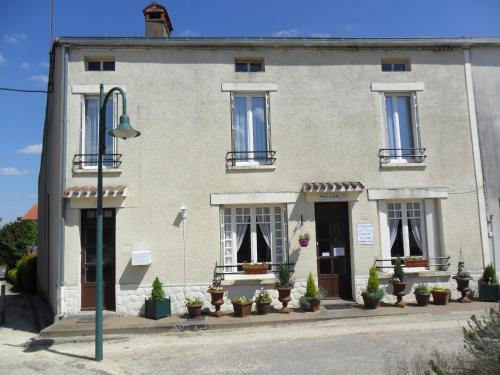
{"x":330,"y":187}
{"x":91,"y":191}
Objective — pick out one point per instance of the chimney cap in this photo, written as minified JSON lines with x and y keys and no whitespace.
{"x":155,"y":7}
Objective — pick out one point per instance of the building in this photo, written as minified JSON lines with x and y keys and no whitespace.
{"x":31,"y":214}
{"x":365,"y":144}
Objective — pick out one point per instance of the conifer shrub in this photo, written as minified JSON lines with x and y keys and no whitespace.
{"x":373,"y":288}
{"x":489,"y":275}
{"x":399,"y":273}
{"x":311,"y":290}
{"x":157,"y":294}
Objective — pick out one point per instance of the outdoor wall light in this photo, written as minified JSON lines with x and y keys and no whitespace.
{"x":184,"y":212}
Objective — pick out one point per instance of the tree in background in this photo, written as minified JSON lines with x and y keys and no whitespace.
{"x":15,"y":238}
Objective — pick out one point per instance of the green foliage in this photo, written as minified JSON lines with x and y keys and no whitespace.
{"x":12,"y":276}
{"x":305,"y":236}
{"x":422,"y":289}
{"x":373,"y":284}
{"x":194,"y":301}
{"x":157,"y":294}
{"x":399,"y":273}
{"x":26,"y":273}
{"x":489,"y":275}
{"x":311,"y":290}
{"x":14,"y":239}
{"x":263,"y":296}
{"x":379,"y":294}
{"x":241,"y":301}
{"x":285,"y":278}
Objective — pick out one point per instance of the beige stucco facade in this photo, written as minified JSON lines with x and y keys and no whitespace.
{"x":327,"y":125}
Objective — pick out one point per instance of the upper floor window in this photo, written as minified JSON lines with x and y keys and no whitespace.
{"x":100,"y":64}
{"x":90,"y":132}
{"x":242,"y":65}
{"x":406,"y":229}
{"x":250,"y":128}
{"x":402,"y":134}
{"x":395,"y":65}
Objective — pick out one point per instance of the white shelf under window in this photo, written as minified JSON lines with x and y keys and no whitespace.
{"x":239,"y":279}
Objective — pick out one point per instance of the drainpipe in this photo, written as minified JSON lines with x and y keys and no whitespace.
{"x":476,"y":153}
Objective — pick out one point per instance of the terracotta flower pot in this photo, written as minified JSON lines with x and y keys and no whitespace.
{"x":314,"y":304}
{"x":370,"y":303}
{"x":417,"y":262}
{"x":263,"y":307}
{"x":194,"y":310}
{"x":242,"y":310}
{"x":304,"y":243}
{"x":440,"y":298}
{"x":255,"y":270}
{"x":217,"y":301}
{"x":422,"y":299}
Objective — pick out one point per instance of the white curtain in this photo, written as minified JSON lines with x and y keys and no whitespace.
{"x":91,"y":126}
{"x":266,"y":233}
{"x":240,"y":126}
{"x":241,"y":230}
{"x":259,"y":128}
{"x":393,"y":230}
{"x":417,"y":232}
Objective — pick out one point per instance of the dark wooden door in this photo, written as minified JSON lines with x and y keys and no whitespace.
{"x":333,"y":249}
{"x":88,"y":259}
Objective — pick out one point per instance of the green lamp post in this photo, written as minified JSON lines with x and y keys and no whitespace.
{"x":123,"y":131}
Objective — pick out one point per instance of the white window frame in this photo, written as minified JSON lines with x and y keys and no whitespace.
{"x":414,"y":124}
{"x":249,"y":95}
{"x":230,"y":244}
{"x":405,"y":227}
{"x":84,"y":127}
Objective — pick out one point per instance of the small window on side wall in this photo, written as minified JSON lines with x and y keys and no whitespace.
{"x":99,"y":64}
{"x":395,"y":65}
{"x":248,"y":65}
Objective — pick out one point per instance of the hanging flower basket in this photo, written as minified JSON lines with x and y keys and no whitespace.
{"x":255,"y":268}
{"x":304,"y":240}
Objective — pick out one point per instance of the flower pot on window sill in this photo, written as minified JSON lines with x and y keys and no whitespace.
{"x":304,"y":243}
{"x":255,"y":270}
{"x":242,"y":310}
{"x":424,"y":262}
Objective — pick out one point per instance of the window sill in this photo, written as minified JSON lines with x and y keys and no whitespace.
{"x":403,"y":165}
{"x":94,"y":171}
{"x":415,"y":272}
{"x":242,"y":279}
{"x":256,"y":167}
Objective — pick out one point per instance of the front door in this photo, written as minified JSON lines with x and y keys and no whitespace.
{"x":333,"y":250}
{"x":88,"y":259}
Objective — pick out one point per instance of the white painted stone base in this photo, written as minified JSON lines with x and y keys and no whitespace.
{"x":412,"y":282}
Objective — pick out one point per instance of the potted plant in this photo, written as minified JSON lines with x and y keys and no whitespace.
{"x":416,"y":261}
{"x":398,"y":283}
{"x":462,"y":278}
{"x":311,"y":300}
{"x":422,"y":294}
{"x":255,"y":268}
{"x":194,"y":307}
{"x":304,"y":239}
{"x":440,"y":295}
{"x":242,"y":306}
{"x":284,"y":285}
{"x":157,"y":306}
{"x":263,"y":301}
{"x":217,"y":297}
{"x":373,"y":293}
{"x":489,"y":289}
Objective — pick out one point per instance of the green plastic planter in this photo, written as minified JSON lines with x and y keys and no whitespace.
{"x":489,"y":292}
{"x":158,"y":309}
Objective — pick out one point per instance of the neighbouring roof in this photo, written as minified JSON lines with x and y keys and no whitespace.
{"x":31,"y":214}
{"x":330,"y":187}
{"x":91,"y":191}
{"x":462,"y":42}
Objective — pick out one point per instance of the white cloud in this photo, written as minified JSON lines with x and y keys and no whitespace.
{"x":2,"y":59}
{"x":31,"y":149}
{"x":14,"y":38}
{"x":9,"y":171}
{"x":286,"y":33}
{"x":45,"y":64}
{"x":41,"y":78}
{"x":188,"y":33}
{"x":321,"y":35}
{"x":25,"y":65}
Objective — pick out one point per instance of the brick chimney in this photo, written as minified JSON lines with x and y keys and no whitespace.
{"x":157,"y":21}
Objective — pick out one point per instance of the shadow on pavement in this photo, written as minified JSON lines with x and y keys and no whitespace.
{"x":18,"y":313}
{"x":34,"y":346}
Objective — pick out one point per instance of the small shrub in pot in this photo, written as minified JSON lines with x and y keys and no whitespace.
{"x":284,"y":285}
{"x":194,"y":307}
{"x":422,"y":294}
{"x":157,"y":306}
{"x":373,"y":293}
{"x":311,"y":300}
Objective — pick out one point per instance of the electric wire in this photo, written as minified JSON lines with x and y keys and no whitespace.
{"x":23,"y":90}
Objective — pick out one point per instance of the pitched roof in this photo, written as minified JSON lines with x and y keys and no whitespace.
{"x":31,"y":214}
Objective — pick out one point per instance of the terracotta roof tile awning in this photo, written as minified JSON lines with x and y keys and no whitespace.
{"x":91,"y":191}
{"x":31,"y":214}
{"x":330,"y":187}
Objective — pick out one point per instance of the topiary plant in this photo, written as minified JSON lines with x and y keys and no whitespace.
{"x":285,"y":279}
{"x":157,"y":294}
{"x":311,"y":290}
{"x":373,"y":289}
{"x":489,"y":275}
{"x":399,"y":273}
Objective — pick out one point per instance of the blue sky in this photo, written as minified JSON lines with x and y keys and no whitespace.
{"x":24,"y":45}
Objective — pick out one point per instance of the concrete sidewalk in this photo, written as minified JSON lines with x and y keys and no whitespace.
{"x":123,"y":325}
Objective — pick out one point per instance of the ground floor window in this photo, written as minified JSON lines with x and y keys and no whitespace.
{"x":253,"y":234}
{"x":406,"y":229}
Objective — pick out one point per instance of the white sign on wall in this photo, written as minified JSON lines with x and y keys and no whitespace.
{"x":365,"y":234}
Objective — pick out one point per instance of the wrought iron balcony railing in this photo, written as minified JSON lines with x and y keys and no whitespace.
{"x":233,"y":158}
{"x":82,"y":161}
{"x":412,"y":155}
{"x":435,"y":263}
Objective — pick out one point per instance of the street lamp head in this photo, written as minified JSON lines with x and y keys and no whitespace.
{"x":124,"y":129}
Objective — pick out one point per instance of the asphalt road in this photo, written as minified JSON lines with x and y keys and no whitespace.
{"x":350,"y":346}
